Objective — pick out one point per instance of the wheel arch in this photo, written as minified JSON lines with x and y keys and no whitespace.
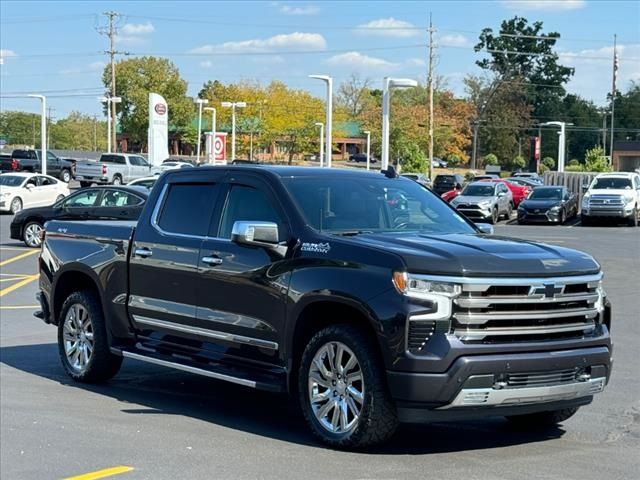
{"x":68,"y":282}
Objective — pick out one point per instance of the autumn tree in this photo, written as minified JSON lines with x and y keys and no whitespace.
{"x":78,"y":132}
{"x":353,"y":95}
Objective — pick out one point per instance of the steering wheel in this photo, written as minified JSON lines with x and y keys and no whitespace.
{"x":402,"y":225}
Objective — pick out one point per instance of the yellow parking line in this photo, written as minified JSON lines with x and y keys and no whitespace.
{"x":21,"y":283}
{"x":107,"y":472}
{"x":2,"y":249}
{"x":19,"y":307}
{"x":18,"y":257}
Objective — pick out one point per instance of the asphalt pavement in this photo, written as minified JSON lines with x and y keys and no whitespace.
{"x":153,"y":423}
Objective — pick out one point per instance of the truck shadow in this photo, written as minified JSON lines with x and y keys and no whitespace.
{"x":167,"y":392}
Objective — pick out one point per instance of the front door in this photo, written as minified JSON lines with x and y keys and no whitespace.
{"x":242,"y":290}
{"x":163,"y":273}
{"x":78,"y":205}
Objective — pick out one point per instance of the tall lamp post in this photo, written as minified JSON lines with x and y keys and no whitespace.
{"x":233,"y":106}
{"x":368,"y":134}
{"x":387,"y":85}
{"x":561,"y":142}
{"x":321,"y":125}
{"x":200,"y":102}
{"x":329,"y":115}
{"x":213,"y":129}
{"x":109,"y":101}
{"x":43,"y":131}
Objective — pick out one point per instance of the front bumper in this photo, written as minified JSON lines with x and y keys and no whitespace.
{"x":541,"y":216}
{"x":476,"y":213}
{"x":620,"y":212}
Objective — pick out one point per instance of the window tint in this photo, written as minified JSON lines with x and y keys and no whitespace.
{"x":119,"y":159}
{"x":247,"y":203}
{"x":82,"y":199}
{"x":51,"y":157}
{"x":45,"y":181}
{"x":138,"y":161}
{"x":188,"y":208}
{"x":117,"y":198}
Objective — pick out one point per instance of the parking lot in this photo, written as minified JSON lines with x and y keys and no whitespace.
{"x":152,"y":423}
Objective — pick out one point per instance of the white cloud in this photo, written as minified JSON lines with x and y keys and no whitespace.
{"x":454,"y":40}
{"x":299,"y":10}
{"x":285,"y":41}
{"x":137,"y":29}
{"x":4,"y":53}
{"x":551,"y":5}
{"x":206,"y":64}
{"x":416,"y":62}
{"x":388,"y":27}
{"x":357,"y":60}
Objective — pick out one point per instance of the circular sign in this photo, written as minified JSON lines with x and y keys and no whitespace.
{"x":160,"y":108}
{"x":218,"y":145}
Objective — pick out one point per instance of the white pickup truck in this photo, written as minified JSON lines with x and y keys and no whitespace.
{"x":612,"y":195}
{"x":113,"y":168}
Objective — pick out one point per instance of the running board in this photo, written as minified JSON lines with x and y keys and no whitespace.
{"x":190,"y":369}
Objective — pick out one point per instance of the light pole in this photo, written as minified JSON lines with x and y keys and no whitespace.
{"x":200,"y":102}
{"x":213,"y":129}
{"x":109,"y":101}
{"x":368,"y":133}
{"x":329,"y":115}
{"x":321,"y":125}
{"x":561,"y":142}
{"x":387,"y":85}
{"x":43,"y":131}
{"x":233,"y":106}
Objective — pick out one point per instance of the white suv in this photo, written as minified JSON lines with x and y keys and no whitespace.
{"x":613,"y":195}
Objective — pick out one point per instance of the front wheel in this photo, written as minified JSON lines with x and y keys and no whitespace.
{"x":65,"y":176}
{"x":82,"y":340}
{"x":16,"y":205}
{"x":494,"y":216}
{"x":31,"y":234}
{"x":585,"y":221}
{"x":533,"y":421}
{"x":562,"y":218}
{"x":342,"y":390}
{"x":633,"y":220}
{"x":117,"y":180}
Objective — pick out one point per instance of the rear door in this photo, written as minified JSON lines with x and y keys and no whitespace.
{"x":163,"y":272}
{"x":118,"y":204}
{"x":48,"y":188}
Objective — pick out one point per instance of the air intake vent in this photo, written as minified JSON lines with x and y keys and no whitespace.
{"x":420,"y":331}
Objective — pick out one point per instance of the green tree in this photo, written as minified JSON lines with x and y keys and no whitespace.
{"x":78,"y":132}
{"x":135,"y":79}
{"x":20,"y":128}
{"x":595,"y":161}
{"x":453,"y":160}
{"x":490,"y":159}
{"x":413,"y":158}
{"x":548,"y":162}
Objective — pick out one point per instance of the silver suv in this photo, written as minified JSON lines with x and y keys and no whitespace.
{"x":484,"y":200}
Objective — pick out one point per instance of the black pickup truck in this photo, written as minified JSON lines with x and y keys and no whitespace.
{"x":320,"y":283}
{"x":22,"y":160}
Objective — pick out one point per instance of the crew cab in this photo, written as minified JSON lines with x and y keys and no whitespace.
{"x":310,"y":281}
{"x":22,"y":160}
{"x":612,"y":196}
{"x":112,"y":168}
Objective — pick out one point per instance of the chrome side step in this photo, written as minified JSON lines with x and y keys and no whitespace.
{"x":190,"y":369}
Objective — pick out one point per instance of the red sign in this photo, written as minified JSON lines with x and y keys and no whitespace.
{"x":220,"y":147}
{"x":160,"y":108}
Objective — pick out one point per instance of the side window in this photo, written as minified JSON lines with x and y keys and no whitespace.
{"x":117,"y":198}
{"x":82,"y":199}
{"x":51,"y":157}
{"x":142,"y":162}
{"x":247,"y":203}
{"x":187,"y":208}
{"x":45,"y":181}
{"x":135,"y":161}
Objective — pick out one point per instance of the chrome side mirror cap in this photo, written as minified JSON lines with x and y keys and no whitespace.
{"x":257,"y":234}
{"x":485,"y":228}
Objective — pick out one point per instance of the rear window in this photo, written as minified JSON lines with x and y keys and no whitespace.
{"x":445,"y":179}
{"x":23,"y":154}
{"x":119,"y":159}
{"x":188,"y":208}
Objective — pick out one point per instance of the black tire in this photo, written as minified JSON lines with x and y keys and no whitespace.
{"x":85,"y":184}
{"x":494,"y":216}
{"x":16,"y":205}
{"x":633,"y":220}
{"x":542,"y":420}
{"x":65,"y":176}
{"x":563,"y":218}
{"x":585,"y":221}
{"x":30,"y":234}
{"x":521,"y":222}
{"x":378,"y":419}
{"x":102,"y":364}
{"x":117,"y":180}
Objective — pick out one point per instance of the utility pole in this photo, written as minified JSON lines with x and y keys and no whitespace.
{"x":430,"y":81}
{"x":613,"y":95}
{"x":111,"y":32}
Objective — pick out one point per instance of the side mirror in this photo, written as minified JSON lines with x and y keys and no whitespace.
{"x":585,"y":187}
{"x":501,"y":194}
{"x":485,"y":228}
{"x":257,"y":234}
{"x":29,"y":186}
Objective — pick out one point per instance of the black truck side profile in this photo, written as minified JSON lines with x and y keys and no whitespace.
{"x":363,"y":295}
{"x":30,"y":161}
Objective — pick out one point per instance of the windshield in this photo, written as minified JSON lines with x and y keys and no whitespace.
{"x":546,"y":194}
{"x":605,"y":183}
{"x":351,"y":205}
{"x":475,"y":190}
{"x":11,"y":180}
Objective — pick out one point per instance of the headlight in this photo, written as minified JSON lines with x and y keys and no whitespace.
{"x":441,"y":294}
{"x":4,"y":194}
{"x":628,"y":198}
{"x":555,"y":209}
{"x":585,"y":201}
{"x":485,"y":204}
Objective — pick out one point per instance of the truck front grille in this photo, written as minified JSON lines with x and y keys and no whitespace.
{"x":542,"y":379}
{"x":513,"y":310}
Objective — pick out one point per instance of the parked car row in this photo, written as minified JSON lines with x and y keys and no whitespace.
{"x":22,"y":160}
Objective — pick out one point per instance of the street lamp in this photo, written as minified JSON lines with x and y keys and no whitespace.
{"x":561,"y":142}
{"x":200,"y":102}
{"x":387,"y":85}
{"x":233,"y":106}
{"x":321,"y":125}
{"x":43,"y":131}
{"x":368,"y":134}
{"x":329,"y":115}
{"x":109,"y":101}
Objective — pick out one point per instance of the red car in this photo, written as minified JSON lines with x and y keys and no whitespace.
{"x":519,"y":192}
{"x":450,"y":195}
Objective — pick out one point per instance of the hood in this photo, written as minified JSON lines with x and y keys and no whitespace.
{"x":473,"y":199}
{"x":5,"y":188}
{"x":541,"y":204}
{"x":477,"y":255}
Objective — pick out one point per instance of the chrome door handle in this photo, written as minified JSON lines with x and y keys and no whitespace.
{"x":142,"y":252}
{"x":212,"y":261}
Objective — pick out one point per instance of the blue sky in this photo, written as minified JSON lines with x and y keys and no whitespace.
{"x":54,"y":47}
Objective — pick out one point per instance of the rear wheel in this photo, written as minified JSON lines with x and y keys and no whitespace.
{"x":117,"y":180}
{"x":540,"y":420}
{"x":16,"y":205}
{"x":82,"y":340}
{"x":31,"y":234}
{"x":342,"y":391}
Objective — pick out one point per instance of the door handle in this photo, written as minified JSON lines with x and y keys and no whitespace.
{"x":142,"y":252}
{"x":212,"y":261}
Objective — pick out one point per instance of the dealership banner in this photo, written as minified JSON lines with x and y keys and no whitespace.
{"x":158,"y":136}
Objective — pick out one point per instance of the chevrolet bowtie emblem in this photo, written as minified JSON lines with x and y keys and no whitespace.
{"x":548,"y":289}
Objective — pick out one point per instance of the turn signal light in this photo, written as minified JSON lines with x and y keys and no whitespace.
{"x":400,"y":281}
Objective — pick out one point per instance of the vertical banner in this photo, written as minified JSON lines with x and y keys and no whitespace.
{"x":158,"y":137}
{"x":216,"y":148}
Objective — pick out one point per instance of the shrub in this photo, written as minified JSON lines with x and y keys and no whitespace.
{"x":574,"y":162}
{"x":490,"y":159}
{"x":453,"y":160}
{"x":542,"y":168}
{"x":574,"y":168}
{"x":548,"y":162}
{"x":595,"y":161}
{"x":518,"y":162}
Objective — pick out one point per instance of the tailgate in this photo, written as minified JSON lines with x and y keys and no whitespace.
{"x":89,"y":169}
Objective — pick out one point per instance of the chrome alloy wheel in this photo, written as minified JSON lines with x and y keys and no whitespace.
{"x":78,"y":337}
{"x":32,"y":234}
{"x":336,"y":388}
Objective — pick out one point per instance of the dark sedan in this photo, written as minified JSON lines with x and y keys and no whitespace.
{"x":96,"y":203}
{"x":548,"y":205}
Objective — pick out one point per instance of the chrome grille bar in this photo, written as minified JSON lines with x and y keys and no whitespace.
{"x":481,"y":318}
{"x":480,"y":334}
